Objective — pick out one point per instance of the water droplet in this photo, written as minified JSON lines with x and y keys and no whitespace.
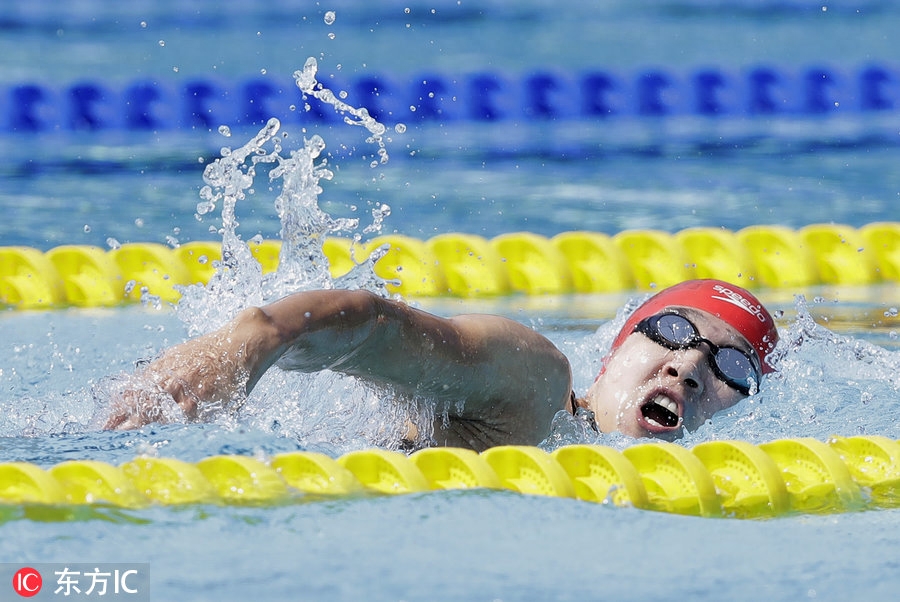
{"x":225,"y":131}
{"x":330,"y":16}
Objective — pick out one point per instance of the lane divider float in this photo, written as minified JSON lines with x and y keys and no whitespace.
{"x":600,"y":94}
{"x":727,"y":479}
{"x":470,"y":266}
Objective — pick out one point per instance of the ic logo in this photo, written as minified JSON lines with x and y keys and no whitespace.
{"x":27,"y":582}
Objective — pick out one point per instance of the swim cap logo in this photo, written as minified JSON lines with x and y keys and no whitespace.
{"x":738,"y":300}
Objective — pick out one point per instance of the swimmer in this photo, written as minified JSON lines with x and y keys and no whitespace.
{"x":685,"y":354}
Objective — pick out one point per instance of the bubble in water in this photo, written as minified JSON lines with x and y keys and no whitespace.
{"x":330,"y":17}
{"x":87,"y":228}
{"x":113,"y":244}
{"x":139,"y":222}
{"x":162,"y":43}
{"x":331,"y":35}
{"x":225,"y":131}
{"x":143,"y":25}
{"x":400,"y":128}
{"x":891,"y":313}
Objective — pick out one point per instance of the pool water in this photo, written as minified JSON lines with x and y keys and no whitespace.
{"x":76,"y":185}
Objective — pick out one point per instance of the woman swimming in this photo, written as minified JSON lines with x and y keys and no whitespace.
{"x":688,"y":352}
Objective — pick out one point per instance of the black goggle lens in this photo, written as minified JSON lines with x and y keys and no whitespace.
{"x":731,"y":365}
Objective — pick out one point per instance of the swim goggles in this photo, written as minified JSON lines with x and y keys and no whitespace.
{"x":734,"y":367}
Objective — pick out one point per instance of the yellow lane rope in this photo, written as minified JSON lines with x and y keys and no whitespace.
{"x":470,"y":266}
{"x":714,"y":479}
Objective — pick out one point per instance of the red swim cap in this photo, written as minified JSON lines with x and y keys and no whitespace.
{"x":731,"y":303}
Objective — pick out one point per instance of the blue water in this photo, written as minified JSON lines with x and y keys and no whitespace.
{"x":63,"y":185}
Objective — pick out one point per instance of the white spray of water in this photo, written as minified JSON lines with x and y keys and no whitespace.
{"x":238,"y":281}
{"x":322,"y":409}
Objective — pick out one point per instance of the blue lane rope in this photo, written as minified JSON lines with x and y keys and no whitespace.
{"x":757,"y":91}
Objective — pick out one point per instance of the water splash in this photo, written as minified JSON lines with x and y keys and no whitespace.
{"x":323,"y":409}
{"x":238,"y":281}
{"x":306,"y":81}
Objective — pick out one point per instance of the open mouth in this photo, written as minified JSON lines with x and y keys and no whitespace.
{"x":661,"y":412}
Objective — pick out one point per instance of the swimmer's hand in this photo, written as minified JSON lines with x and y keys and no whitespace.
{"x":210,"y":373}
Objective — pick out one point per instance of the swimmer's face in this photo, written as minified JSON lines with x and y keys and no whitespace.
{"x":649,"y":390}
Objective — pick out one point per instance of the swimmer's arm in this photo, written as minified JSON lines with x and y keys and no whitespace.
{"x":500,"y":376}
{"x":494,"y":369}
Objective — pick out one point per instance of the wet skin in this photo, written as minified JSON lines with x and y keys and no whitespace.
{"x":510,"y":379}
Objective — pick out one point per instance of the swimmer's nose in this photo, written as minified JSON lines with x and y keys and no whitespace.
{"x":687,"y":367}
